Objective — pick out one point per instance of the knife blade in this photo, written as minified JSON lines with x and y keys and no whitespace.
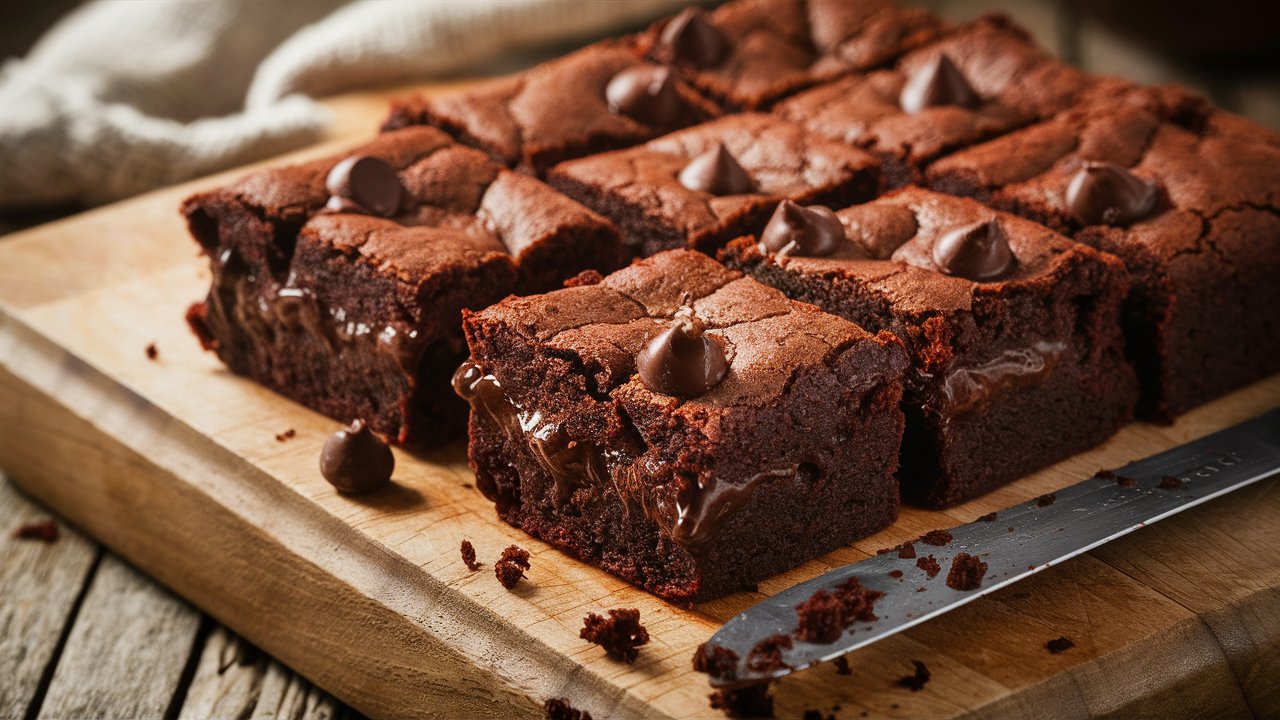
{"x":1022,"y":540}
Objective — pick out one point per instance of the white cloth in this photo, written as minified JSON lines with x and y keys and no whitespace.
{"x":121,"y":97}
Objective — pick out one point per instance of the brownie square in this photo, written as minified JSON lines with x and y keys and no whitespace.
{"x":1008,"y":374}
{"x":359,"y":316}
{"x":1012,"y":83}
{"x":1204,"y":257}
{"x":640,"y":189}
{"x":552,"y":112}
{"x":788,"y":456}
{"x":767,"y":49}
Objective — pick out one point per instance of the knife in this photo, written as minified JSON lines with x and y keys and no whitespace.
{"x":1021,"y":541}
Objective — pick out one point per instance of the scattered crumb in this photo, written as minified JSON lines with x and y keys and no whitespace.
{"x":43,"y":530}
{"x":1059,"y":645}
{"x":1010,"y":529}
{"x":842,"y":666}
{"x":906,"y":550}
{"x":620,"y":634}
{"x":287,"y":435}
{"x":511,"y":566}
{"x":937,"y":538}
{"x":467,"y":485}
{"x":718,"y":661}
{"x":586,"y":277}
{"x":921,"y":589}
{"x":766,"y":656}
{"x":989,"y":517}
{"x":752,"y":701}
{"x":929,"y":564}
{"x":1169,"y":482}
{"x":560,"y":709}
{"x":1046,"y":500}
{"x":966,"y":572}
{"x":1120,"y":480}
{"x":816,"y":715}
{"x":153,"y":352}
{"x":826,"y":614}
{"x":469,"y":556}
{"x":916,"y":681}
{"x":895,"y":573}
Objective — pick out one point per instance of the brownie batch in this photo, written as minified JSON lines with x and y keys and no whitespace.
{"x":872,"y":254}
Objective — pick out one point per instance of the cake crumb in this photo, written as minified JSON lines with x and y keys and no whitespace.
{"x":511,"y":566}
{"x":966,"y":572}
{"x":1059,"y":645}
{"x":560,"y":709}
{"x":1121,"y":480}
{"x":906,"y":550}
{"x":620,"y":634}
{"x":842,"y":666}
{"x":1046,"y":500}
{"x":717,"y":661}
{"x":766,"y":656}
{"x":752,"y":701}
{"x":584,"y":278}
{"x":153,"y":352}
{"x":916,"y":681}
{"x":937,"y":538}
{"x":469,"y":556}
{"x":286,"y":436}
{"x":1169,"y":482}
{"x":826,"y":614}
{"x":43,"y":530}
{"x":989,"y":517}
{"x":930,"y":565}
{"x":895,"y":573}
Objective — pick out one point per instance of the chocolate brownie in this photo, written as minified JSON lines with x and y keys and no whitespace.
{"x":681,"y":426}
{"x":357,"y":314}
{"x":1013,"y":330}
{"x":702,"y":186}
{"x":1188,"y":197}
{"x":749,"y":53}
{"x":602,"y":97}
{"x":976,"y":83}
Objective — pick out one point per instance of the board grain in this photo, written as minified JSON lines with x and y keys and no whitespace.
{"x":174,"y":464}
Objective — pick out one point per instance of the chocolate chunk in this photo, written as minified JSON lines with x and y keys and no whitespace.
{"x":646,"y":93}
{"x":364,"y":184}
{"x":356,"y":461}
{"x":620,"y":634}
{"x":939,"y":83}
{"x":978,"y":252}
{"x":1106,"y":193}
{"x":682,"y":360}
{"x":716,"y":171}
{"x":794,"y":229}
{"x":692,"y":38}
{"x":511,"y":566}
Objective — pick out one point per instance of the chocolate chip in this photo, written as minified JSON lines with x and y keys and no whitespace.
{"x":810,"y":231}
{"x":978,"y":252}
{"x":716,"y":171}
{"x":356,"y":461}
{"x":682,"y":360}
{"x":646,"y":93}
{"x":364,"y":184}
{"x":692,"y":38}
{"x":938,"y":83}
{"x":1106,"y":193}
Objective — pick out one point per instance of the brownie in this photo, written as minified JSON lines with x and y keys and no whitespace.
{"x":555,"y":111}
{"x":995,"y":79}
{"x":641,"y":188}
{"x":1194,"y":214}
{"x":782,"y":450}
{"x":358,"y":315}
{"x":1016,"y":361}
{"x":749,"y":53}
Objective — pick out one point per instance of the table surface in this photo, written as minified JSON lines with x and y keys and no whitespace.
{"x":83,"y":634}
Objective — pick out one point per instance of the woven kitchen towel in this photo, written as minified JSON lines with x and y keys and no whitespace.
{"x":121,"y":97}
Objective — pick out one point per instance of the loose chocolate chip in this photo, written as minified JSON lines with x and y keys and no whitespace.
{"x":692,"y":38}
{"x":364,"y":184}
{"x":682,"y":360}
{"x":794,"y":229}
{"x":978,"y":252}
{"x":356,"y":461}
{"x":646,"y":93}
{"x":1106,"y":193}
{"x":718,"y":172}
{"x":939,"y":83}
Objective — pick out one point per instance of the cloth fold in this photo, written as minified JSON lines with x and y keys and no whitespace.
{"x":122,"y":97}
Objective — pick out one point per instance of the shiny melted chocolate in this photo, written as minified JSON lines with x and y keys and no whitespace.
{"x":966,"y":389}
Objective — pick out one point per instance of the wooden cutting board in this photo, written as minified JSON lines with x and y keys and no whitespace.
{"x":174,"y":464}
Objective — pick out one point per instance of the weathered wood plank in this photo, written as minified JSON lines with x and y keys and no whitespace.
{"x":127,"y":650}
{"x":39,"y":585}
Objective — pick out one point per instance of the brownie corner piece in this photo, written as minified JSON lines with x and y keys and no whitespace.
{"x":787,"y":455}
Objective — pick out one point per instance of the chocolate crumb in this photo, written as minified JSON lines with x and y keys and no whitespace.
{"x":511,"y":566}
{"x":287,"y":435}
{"x":752,"y":701}
{"x":468,"y":486}
{"x":826,"y":614}
{"x":1059,"y":645}
{"x":1169,"y":482}
{"x":906,"y":550}
{"x":560,"y":709}
{"x":842,"y":666}
{"x":966,"y":572}
{"x":717,"y":661}
{"x":895,"y":573}
{"x":43,"y":530}
{"x":584,"y":278}
{"x":1046,"y":500}
{"x":916,"y":681}
{"x":989,"y":517}
{"x":766,"y":656}
{"x":620,"y":634}
{"x":469,"y":556}
{"x":153,"y":352}
{"x":930,"y":565}
{"x":1119,"y":479}
{"x":937,"y":538}
{"x":921,"y":589}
